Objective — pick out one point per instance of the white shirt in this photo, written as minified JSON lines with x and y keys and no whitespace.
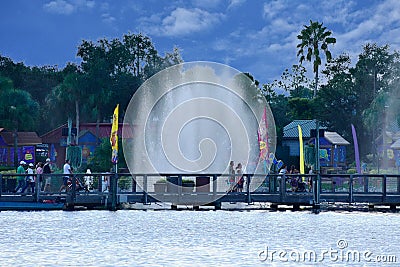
{"x":67,"y":169}
{"x":30,"y":171}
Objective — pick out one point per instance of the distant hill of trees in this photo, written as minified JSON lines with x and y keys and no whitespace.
{"x":42,"y":98}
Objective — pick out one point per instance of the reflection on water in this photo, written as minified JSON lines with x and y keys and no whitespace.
{"x":188,"y":238}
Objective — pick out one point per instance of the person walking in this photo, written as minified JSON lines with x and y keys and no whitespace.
{"x":47,"y":171}
{"x":67,"y":170}
{"x":30,"y":179}
{"x":240,"y":178}
{"x":39,"y":172}
{"x":20,"y":178}
{"x":231,"y":177}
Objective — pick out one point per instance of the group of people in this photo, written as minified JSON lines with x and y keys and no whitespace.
{"x":28,"y":182}
{"x":236,"y":179}
{"x":295,"y":181}
{"x":27,"y":174}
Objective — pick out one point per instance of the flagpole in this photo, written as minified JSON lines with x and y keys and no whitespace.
{"x":114,"y":158}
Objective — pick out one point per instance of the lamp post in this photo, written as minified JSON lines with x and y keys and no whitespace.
{"x":15,"y":135}
{"x":317,"y":164}
{"x":384,"y":139}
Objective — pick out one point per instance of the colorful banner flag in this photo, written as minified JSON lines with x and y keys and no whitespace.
{"x":263,"y":140}
{"x":301,"y":150}
{"x":114,"y":136}
{"x":356,"y":152}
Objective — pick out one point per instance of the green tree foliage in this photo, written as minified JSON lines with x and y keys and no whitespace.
{"x":101,"y":160}
{"x":18,"y":111}
{"x":295,"y":82}
{"x":115,"y":69}
{"x":358,"y":95}
{"x":301,"y":108}
{"x":336,"y":101}
{"x":282,"y":114}
{"x":376,"y":73}
{"x":313,"y":38}
{"x":297,"y":105}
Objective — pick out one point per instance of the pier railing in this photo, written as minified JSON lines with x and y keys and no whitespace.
{"x":111,"y":189}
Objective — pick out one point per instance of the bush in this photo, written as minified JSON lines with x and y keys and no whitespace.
{"x":351,"y":171}
{"x":7,"y":169}
{"x":125,"y":182}
{"x":187,"y":183}
{"x":101,"y":160}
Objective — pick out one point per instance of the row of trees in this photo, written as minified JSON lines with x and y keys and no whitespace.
{"x":42,"y":98}
{"x":362,"y":94}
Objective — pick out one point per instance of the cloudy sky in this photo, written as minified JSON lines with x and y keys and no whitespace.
{"x":250,"y":35}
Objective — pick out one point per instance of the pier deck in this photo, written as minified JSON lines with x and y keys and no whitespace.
{"x":110,"y":191}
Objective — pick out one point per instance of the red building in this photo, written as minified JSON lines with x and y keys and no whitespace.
{"x":88,"y":138}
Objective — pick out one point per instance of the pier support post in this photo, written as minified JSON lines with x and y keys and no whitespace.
{"x":384,"y":189}
{"x":282,"y":188}
{"x":351,"y":188}
{"x":248,"y":180}
{"x":214,"y":178}
{"x":113,"y":189}
{"x":70,"y":205}
{"x":316,"y":208}
{"x":317,"y":165}
{"x":37,"y":188}
{"x":146,"y":201}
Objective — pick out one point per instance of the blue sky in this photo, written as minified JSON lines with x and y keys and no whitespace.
{"x":252,"y":36}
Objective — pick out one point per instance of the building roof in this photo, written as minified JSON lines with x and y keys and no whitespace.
{"x":24,"y":138}
{"x":291,"y":131}
{"x":396,"y":145}
{"x":104,"y":131}
{"x":335,"y":139}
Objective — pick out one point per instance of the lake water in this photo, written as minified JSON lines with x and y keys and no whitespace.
{"x":199,"y":238}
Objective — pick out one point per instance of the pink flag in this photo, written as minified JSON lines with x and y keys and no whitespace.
{"x":263,"y":137}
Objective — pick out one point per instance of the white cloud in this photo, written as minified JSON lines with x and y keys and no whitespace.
{"x":273,"y":8}
{"x":236,"y":3}
{"x":181,"y":22}
{"x":107,"y":18}
{"x":206,"y":3}
{"x":59,"y":7}
{"x":104,"y":6}
{"x":83,"y":3}
{"x":378,"y":23}
{"x":67,"y":7}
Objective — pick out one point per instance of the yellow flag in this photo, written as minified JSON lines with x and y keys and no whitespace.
{"x":301,"y":150}
{"x":114,"y":136}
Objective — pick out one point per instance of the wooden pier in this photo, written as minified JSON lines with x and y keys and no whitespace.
{"x":113,"y":192}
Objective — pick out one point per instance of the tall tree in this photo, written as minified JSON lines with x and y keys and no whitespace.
{"x":18,"y":111}
{"x":336,"y":101}
{"x":313,"y":38}
{"x":70,"y":95}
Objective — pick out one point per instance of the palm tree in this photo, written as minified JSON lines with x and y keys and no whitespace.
{"x":309,"y":49}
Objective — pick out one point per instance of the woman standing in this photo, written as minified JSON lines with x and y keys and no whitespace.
{"x":30,"y":179}
{"x":240,"y":179}
{"x":39,"y":172}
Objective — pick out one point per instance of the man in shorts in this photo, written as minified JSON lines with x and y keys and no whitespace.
{"x":47,"y":172}
{"x":67,"y":170}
